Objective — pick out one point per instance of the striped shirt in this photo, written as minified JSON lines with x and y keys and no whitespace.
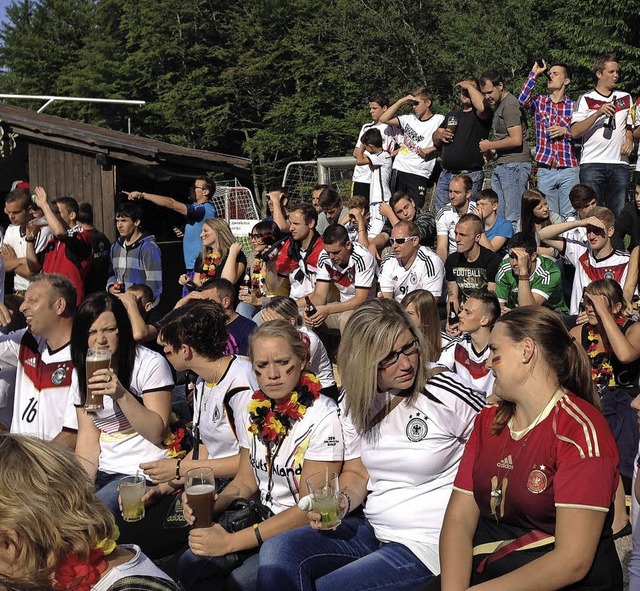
{"x":360,"y":271}
{"x":425,"y":272}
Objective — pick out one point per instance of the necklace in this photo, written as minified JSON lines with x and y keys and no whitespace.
{"x":499,"y":485}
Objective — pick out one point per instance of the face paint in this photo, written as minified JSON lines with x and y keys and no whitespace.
{"x":496,"y":360}
{"x":290,"y":370}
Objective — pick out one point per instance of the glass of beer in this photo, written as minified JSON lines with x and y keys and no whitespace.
{"x":200,"y":487}
{"x":96,"y":359}
{"x":132,"y":489}
{"x":452,"y":124}
{"x":324,"y":491}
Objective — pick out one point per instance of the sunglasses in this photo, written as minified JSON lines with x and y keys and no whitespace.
{"x":401,"y":240}
{"x":259,"y":236}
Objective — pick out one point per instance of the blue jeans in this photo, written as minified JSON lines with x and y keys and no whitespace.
{"x":556,"y":183}
{"x":510,"y":181}
{"x":610,"y":181}
{"x":247,"y":310}
{"x":234,"y":572}
{"x":347,"y":559}
{"x":107,"y":490}
{"x":442,"y":188}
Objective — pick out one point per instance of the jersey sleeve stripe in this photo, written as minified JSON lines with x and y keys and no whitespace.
{"x":464,"y":393}
{"x":590,"y":435}
{"x":576,"y":506}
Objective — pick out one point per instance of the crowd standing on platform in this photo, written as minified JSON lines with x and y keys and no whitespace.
{"x":430,"y":381}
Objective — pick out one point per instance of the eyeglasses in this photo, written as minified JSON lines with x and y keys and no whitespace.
{"x":259,"y":236}
{"x":401,"y":240}
{"x":393,"y":357}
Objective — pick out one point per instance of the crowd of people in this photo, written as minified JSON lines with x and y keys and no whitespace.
{"x":465,"y":378}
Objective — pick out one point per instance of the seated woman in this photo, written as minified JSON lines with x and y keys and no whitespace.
{"x":532,"y":497}
{"x":293,"y":432}
{"x":535,"y":214}
{"x":134,"y":423}
{"x":265,"y":237}
{"x":221,"y":255}
{"x":612,"y":343}
{"x":54,"y":530}
{"x":281,"y":308}
{"x":422,"y":306}
{"x":403,"y":443}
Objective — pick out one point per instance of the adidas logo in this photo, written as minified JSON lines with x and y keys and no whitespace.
{"x":31,"y":362}
{"x":506,"y":463}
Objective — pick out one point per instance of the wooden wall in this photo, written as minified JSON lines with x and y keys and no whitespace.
{"x":66,"y":171}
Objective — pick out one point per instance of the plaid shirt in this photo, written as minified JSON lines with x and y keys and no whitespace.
{"x":558,"y":153}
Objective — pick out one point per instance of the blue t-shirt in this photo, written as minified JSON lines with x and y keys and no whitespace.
{"x":197,"y":213}
{"x":502,"y":227}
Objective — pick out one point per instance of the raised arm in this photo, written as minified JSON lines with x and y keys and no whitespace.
{"x":389,"y":116}
{"x":162,"y":201}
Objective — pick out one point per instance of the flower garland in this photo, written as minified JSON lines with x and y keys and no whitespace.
{"x":210,"y":263}
{"x":173,"y":441}
{"x":270,"y":421}
{"x":75,"y":574}
{"x":601,"y":369}
{"x":257,"y":279}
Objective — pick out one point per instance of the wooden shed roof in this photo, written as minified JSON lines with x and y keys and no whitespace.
{"x":116,"y":144}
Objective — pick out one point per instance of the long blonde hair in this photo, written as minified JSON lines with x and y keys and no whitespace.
{"x":48,"y":500}
{"x":225,"y":237}
{"x":367,"y":339}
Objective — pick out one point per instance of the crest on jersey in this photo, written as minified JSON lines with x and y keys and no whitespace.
{"x":537,"y":481}
{"x":58,"y":376}
{"x":413,"y":279}
{"x":609,"y":275}
{"x":416,"y":428}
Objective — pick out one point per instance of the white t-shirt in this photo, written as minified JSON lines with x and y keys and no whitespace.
{"x":426,"y":272}
{"x":359,"y":272}
{"x":446,"y":220}
{"x":42,"y":403}
{"x":122,"y":449}
{"x":416,"y":134}
{"x":460,"y":356}
{"x":139,"y":565}
{"x":218,"y":430}
{"x":319,"y":362}
{"x":389,"y":133}
{"x":601,"y":145}
{"x":316,"y":436}
{"x":636,"y":123}
{"x":412,"y":462}
{"x":7,"y":389}
{"x":14,"y":239}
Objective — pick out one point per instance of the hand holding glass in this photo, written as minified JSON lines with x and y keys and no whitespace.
{"x":96,"y":359}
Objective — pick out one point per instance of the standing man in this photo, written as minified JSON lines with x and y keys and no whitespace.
{"x":458,"y":137}
{"x":558,"y":168}
{"x":415,"y":162}
{"x":196,"y":213}
{"x":41,"y":354}
{"x":509,"y":146}
{"x":460,"y":204}
{"x":99,"y":272}
{"x":602,"y":118}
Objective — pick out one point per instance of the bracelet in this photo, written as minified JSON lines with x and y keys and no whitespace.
{"x":29,"y":239}
{"x":523,"y":277}
{"x":178,"y":468}
{"x":258,"y":536}
{"x":348,"y":502}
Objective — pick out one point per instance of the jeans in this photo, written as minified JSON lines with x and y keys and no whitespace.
{"x":349,"y":559}
{"x":442,"y":188}
{"x":233,"y":572}
{"x":107,"y":490}
{"x":610,"y":181}
{"x":510,"y":181}
{"x":248,"y":310}
{"x":556,"y":184}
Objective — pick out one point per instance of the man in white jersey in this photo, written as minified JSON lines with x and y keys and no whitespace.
{"x":460,"y":189}
{"x":41,"y":354}
{"x":351,"y":268}
{"x":409,"y":266}
{"x":467,"y":355}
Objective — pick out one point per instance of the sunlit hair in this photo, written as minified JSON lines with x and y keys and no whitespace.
{"x":601,"y":62}
{"x":61,"y":287}
{"x":225,"y":236}
{"x":286,"y":308}
{"x":531,"y":198}
{"x":426,"y":308}
{"x":368,"y":337}
{"x":283,"y":330}
{"x":565,"y":357}
{"x":604,"y":214}
{"x":611,"y":290}
{"x":48,"y":500}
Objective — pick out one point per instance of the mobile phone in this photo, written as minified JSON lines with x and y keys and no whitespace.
{"x":540,"y":62}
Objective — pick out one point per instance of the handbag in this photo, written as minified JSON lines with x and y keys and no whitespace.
{"x":243,"y":513}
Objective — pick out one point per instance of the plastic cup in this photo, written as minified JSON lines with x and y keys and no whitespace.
{"x":200,"y":487}
{"x":324,"y":491}
{"x":96,"y":359}
{"x":132,"y":489}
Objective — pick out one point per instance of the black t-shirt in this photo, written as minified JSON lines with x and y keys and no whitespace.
{"x":216,"y":270}
{"x":463,"y":152}
{"x":472,"y":275}
{"x":99,"y":271}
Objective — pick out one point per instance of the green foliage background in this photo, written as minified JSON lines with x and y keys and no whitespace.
{"x":282,"y":80}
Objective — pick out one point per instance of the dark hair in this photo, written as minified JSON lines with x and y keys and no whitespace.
{"x":490,"y":76}
{"x":490,"y":302}
{"x":372,"y":137}
{"x":471,"y":218}
{"x":268,"y":230}
{"x":129,"y":209}
{"x":564,"y":355}
{"x":467,"y":181}
{"x":69,"y":202}
{"x":88,"y":312}
{"x":308,"y":212}
{"x":523,"y":240}
{"x":398,"y":196}
{"x":223,"y":286}
{"x":85,"y":213}
{"x":565,"y":67}
{"x":599,"y":64}
{"x":336,"y":233}
{"x":61,"y":288}
{"x":378,"y":97}
{"x":200,"y":324}
{"x":329,"y":198}
{"x":19,"y":194}
{"x":319,"y":187}
{"x":531,"y":198}
{"x":208,"y":184}
{"x":487,"y":194}
{"x":581,"y":195}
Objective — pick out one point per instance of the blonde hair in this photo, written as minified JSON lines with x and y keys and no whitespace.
{"x":428,"y":322}
{"x":283,"y":330}
{"x":225,"y":236}
{"x":48,"y":500}
{"x":368,"y":337}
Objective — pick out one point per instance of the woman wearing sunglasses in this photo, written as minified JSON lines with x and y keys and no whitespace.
{"x":403,"y":442}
